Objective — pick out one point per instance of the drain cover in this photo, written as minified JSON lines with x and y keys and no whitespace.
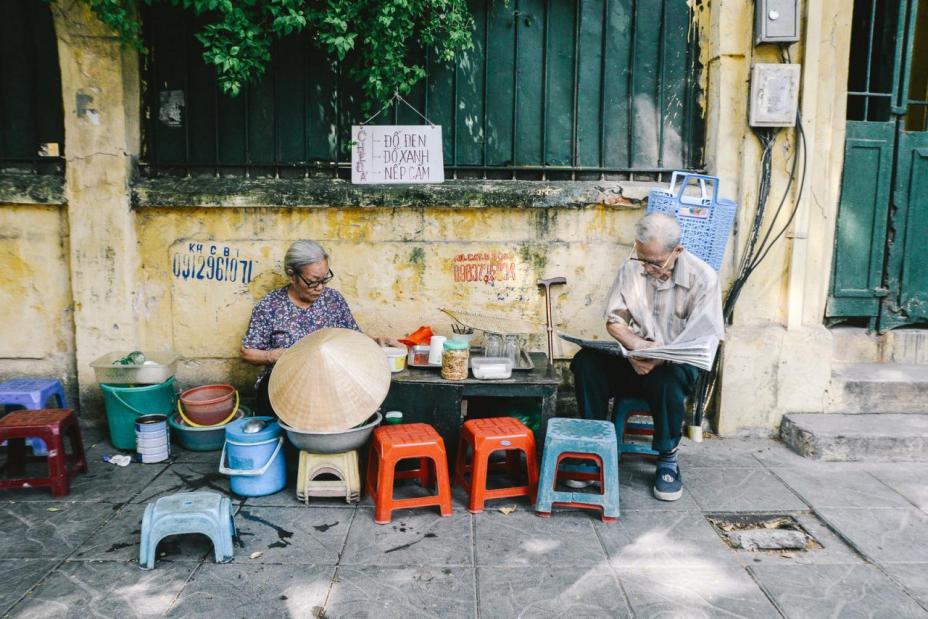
{"x":754,"y":532}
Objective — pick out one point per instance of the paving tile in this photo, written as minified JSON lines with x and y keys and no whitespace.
{"x":291,"y":535}
{"x":287,"y":498}
{"x":549,"y":592}
{"x":187,"y":477}
{"x":104,"y":589}
{"x":774,"y":453}
{"x":664,"y":539}
{"x":884,"y":535}
{"x":522,"y":538}
{"x":913,"y":577}
{"x":747,"y":490}
{"x":120,"y":538}
{"x":833,"y":549}
{"x":385,"y":593}
{"x":835,"y":591}
{"x":19,"y":575}
{"x":415,"y":537}
{"x":723,"y":453}
{"x":839,"y":488}
{"x":635,"y":490}
{"x":179,"y":454}
{"x":254,"y":590}
{"x":694,"y":593}
{"x":907,"y":479}
{"x":102,"y":482}
{"x":31,"y":531}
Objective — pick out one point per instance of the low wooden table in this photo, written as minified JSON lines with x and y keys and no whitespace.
{"x":424,"y":396}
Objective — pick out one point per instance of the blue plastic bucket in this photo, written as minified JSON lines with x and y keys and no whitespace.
{"x":254,"y":461}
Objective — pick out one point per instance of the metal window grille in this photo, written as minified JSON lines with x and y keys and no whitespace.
{"x":553,"y":89}
{"x":31,"y":114}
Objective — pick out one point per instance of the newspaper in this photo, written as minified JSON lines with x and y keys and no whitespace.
{"x":699,"y":352}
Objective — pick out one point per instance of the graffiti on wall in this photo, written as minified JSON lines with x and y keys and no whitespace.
{"x":484,"y":267}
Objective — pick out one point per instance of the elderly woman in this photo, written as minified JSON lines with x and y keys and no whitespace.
{"x":286,"y":315}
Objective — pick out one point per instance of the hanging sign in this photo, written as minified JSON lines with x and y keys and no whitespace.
{"x":389,"y":154}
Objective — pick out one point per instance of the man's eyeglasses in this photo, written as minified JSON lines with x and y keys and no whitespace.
{"x":312,"y":284}
{"x":652,"y":263}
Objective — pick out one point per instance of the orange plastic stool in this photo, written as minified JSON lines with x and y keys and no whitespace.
{"x":51,"y":425}
{"x":485,"y":436}
{"x":400,"y":442}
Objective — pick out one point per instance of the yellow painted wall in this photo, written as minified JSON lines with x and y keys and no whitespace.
{"x":123,"y":270}
{"x":396,"y":267}
{"x":36,"y":318}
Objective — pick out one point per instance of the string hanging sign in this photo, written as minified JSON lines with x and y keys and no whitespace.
{"x":391,"y":154}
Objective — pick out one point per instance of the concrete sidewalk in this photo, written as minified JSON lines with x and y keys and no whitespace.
{"x":78,"y":557}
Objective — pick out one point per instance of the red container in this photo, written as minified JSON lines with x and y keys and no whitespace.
{"x":208,"y":405}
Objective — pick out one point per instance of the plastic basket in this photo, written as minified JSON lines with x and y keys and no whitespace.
{"x":705,"y":220}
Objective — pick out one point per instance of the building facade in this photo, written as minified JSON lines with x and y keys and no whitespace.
{"x":151,"y":212}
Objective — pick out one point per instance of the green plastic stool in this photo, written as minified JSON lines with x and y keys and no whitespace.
{"x":208,"y":513}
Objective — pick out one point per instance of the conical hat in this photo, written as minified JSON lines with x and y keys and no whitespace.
{"x":331,"y":380}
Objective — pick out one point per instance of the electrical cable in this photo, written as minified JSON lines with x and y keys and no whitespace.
{"x":755,"y":254}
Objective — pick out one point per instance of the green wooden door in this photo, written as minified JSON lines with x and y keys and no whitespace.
{"x":879,"y":272}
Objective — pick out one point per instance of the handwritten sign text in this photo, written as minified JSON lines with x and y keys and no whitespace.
{"x":393,"y":154}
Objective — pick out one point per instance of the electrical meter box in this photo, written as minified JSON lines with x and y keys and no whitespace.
{"x":774,"y":95}
{"x":776,"y":21}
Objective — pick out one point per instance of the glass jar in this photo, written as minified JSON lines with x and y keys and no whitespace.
{"x":454,"y":360}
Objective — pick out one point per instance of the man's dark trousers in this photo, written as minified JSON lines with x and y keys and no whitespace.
{"x":599,"y":376}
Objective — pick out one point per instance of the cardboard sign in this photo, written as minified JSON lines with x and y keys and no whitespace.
{"x":390,"y":154}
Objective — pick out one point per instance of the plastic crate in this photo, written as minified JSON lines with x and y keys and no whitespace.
{"x":705,"y":220}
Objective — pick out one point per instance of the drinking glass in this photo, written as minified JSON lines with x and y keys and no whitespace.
{"x":493,"y":345}
{"x":511,"y":348}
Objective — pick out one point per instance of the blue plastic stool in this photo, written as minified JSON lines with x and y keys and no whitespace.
{"x":583,"y":439}
{"x":209,"y":513}
{"x":32,"y":394}
{"x":631,"y":407}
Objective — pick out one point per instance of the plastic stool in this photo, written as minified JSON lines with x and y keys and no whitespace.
{"x":399,"y":442}
{"x":343,"y":465}
{"x":584,"y":439}
{"x":209,"y":513}
{"x":624,"y":410}
{"x":50,"y":425}
{"x":32,"y":394}
{"x":484,"y":437}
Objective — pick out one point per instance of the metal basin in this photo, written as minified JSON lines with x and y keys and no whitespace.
{"x":332,"y":442}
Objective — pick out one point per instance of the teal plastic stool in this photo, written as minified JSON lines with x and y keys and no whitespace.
{"x":633,"y":407}
{"x":583,"y":439}
{"x":209,"y":513}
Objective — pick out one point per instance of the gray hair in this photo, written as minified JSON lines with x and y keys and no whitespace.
{"x":658,"y":227}
{"x":302,"y":253}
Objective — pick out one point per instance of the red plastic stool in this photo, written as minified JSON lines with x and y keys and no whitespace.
{"x":50,"y":425}
{"x":484,"y":437}
{"x":399,"y":442}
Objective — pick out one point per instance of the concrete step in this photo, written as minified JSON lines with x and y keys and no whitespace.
{"x":877,"y":388}
{"x":858,"y":345}
{"x":881,"y":437}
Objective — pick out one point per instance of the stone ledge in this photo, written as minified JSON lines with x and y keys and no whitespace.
{"x":165,"y":192}
{"x":17,"y":188}
{"x":879,"y":437}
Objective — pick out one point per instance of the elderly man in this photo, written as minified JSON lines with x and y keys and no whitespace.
{"x":662,"y":294}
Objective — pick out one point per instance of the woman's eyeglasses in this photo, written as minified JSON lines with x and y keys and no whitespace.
{"x":312,"y":284}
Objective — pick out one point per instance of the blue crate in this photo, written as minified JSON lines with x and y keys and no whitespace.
{"x":705,"y":220}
